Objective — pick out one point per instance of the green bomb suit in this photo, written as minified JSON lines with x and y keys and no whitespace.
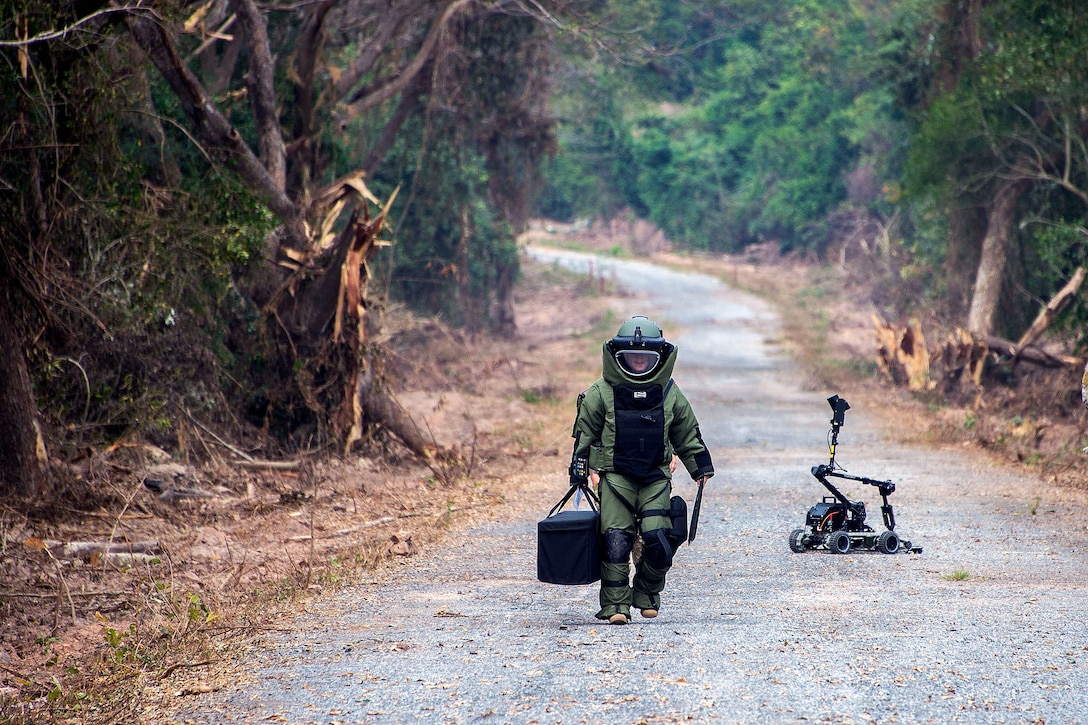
{"x":627,"y":429}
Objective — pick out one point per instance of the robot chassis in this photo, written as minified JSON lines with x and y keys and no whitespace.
{"x":837,"y":523}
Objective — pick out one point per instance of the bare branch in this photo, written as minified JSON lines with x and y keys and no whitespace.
{"x":209,"y":124}
{"x":139,"y":7}
{"x":392,"y":126}
{"x":398,"y":83}
{"x":262,"y":94}
{"x":370,"y":53}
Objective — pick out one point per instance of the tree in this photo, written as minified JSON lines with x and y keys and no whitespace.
{"x":42,"y":123}
{"x":431,"y":41}
{"x":21,"y":467}
{"x":993,"y":257}
{"x":741,"y":122}
{"x":1005,"y":108}
{"x":242,"y":134}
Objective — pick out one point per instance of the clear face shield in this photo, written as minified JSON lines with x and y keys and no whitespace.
{"x":638,"y":363}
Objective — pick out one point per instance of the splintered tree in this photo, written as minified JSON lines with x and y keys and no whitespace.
{"x":349,"y":79}
{"x":253,"y":140}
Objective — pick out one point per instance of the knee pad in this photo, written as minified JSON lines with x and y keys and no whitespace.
{"x":656,"y":549}
{"x":617,"y":545}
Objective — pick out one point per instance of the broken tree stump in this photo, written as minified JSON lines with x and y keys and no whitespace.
{"x":902,"y":353}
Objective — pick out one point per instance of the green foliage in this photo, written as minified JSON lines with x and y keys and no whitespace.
{"x":754,"y":140}
{"x":724,"y":123}
{"x":467,"y":177}
{"x":587,"y":177}
{"x":143,"y":242}
{"x":1056,"y":245}
{"x":120,"y":644}
{"x":1036,"y":52}
{"x":449,"y":242}
{"x":948,"y":144}
{"x":142,"y":254}
{"x":1014,"y":110}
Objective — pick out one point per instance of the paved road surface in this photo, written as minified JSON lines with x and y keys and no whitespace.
{"x":749,"y":632}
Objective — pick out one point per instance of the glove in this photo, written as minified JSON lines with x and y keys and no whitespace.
{"x":579,"y":471}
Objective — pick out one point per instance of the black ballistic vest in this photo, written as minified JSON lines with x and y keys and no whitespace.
{"x":640,"y":432}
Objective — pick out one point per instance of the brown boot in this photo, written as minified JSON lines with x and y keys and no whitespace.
{"x":647,"y":604}
{"x":618,"y":618}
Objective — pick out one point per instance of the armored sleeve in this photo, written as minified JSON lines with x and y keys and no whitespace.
{"x":588,"y":424}
{"x":687,"y":439}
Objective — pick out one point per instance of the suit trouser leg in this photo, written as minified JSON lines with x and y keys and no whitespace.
{"x":652,"y":565}
{"x":620,"y":499}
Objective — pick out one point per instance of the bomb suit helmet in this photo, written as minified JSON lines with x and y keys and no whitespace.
{"x":639,"y":347}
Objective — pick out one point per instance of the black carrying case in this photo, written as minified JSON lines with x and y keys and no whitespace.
{"x":568,"y":543}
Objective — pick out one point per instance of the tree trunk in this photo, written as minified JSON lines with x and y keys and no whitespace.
{"x":304,"y":150}
{"x":260,"y":84}
{"x":994,"y":257}
{"x":504,"y":317}
{"x":20,"y":471}
{"x":966,"y":230}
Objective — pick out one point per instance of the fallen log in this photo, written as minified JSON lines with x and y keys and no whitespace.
{"x":270,"y":465}
{"x":123,"y":560}
{"x":961,"y":361}
{"x":1053,"y":308}
{"x":85,"y":549}
{"x":1027,"y":353}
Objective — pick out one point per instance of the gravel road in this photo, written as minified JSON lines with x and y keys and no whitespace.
{"x":987,"y":625}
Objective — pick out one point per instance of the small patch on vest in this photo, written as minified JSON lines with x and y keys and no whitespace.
{"x":640,"y":394}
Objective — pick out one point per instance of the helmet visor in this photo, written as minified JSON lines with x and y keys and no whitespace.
{"x":638,"y":363}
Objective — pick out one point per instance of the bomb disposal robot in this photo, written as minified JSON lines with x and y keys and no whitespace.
{"x":837,"y":523}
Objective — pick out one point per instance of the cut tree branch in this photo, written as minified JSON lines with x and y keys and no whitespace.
{"x":388,"y":27}
{"x":1029,"y":354}
{"x":1053,"y":308}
